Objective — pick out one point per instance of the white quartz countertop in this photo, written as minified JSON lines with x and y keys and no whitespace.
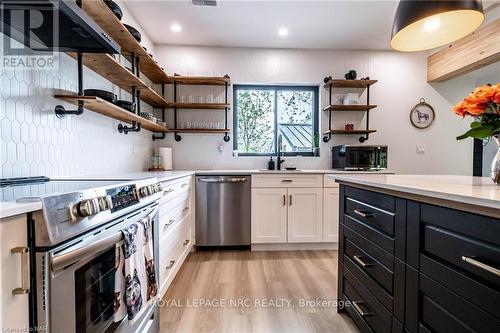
{"x":16,"y":208}
{"x":478,"y":191}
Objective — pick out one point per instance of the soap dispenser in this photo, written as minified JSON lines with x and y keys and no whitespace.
{"x":270,"y":164}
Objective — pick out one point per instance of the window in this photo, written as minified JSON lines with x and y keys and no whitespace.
{"x":262,"y":113}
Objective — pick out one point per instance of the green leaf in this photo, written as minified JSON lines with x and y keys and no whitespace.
{"x":480,"y":132}
{"x":475,"y":124}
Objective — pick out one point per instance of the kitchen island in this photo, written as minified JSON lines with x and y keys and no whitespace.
{"x":420,"y":253}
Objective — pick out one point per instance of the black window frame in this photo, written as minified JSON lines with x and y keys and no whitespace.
{"x":315,"y":114}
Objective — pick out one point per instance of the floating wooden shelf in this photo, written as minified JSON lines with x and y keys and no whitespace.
{"x":106,"y":66}
{"x":106,"y":108}
{"x":349,"y":132}
{"x":200,"y":80}
{"x":200,"y":106}
{"x":105,"y":18}
{"x":341,"y":107}
{"x":338,"y":83}
{"x":200,"y":130}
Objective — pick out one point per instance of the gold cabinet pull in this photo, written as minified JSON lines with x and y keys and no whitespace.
{"x":186,"y":242}
{"x":358,"y":308}
{"x":361,"y":262}
{"x":170,"y":264}
{"x":25,"y":270}
{"x":481,"y":265}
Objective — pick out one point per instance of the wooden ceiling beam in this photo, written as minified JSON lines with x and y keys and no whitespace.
{"x":479,"y":49}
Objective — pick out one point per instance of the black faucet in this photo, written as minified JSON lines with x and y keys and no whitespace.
{"x":279,"y":159}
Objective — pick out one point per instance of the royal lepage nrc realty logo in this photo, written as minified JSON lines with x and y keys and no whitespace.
{"x":30,"y":34}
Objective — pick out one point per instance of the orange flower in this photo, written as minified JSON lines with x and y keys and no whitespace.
{"x":484,"y":93}
{"x":460,"y":109}
{"x":496,"y":98}
{"x":475,"y":109}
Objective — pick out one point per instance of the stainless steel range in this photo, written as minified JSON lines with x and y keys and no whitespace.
{"x":72,"y":243}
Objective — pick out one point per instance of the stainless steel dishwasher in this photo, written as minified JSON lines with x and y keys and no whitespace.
{"x":223,"y":210}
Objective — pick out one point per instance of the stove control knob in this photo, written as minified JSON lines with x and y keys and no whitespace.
{"x":157,"y":188}
{"x":87,"y":207}
{"x":105,"y":203}
{"x":145,"y":191}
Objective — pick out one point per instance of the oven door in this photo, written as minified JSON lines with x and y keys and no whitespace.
{"x":361,"y":158}
{"x":80,"y":281}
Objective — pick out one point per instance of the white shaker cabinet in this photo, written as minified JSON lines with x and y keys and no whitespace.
{"x":14,"y":278}
{"x":331,"y":214}
{"x":305,"y":223}
{"x":269,"y":215}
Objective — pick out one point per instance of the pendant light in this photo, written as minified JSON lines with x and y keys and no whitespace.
{"x":426,"y":24}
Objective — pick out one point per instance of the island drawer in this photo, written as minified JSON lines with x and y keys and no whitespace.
{"x":374,"y":199}
{"x":440,"y":310}
{"x":365,"y":305}
{"x":374,"y":235}
{"x":370,"y":215}
{"x":367,"y":262}
{"x":465,"y":241}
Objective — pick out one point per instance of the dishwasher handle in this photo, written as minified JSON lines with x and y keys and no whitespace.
{"x":224,"y":180}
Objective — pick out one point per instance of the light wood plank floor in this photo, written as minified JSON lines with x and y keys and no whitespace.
{"x":253,"y":278}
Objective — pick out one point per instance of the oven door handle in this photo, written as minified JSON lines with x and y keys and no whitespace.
{"x":60,"y":261}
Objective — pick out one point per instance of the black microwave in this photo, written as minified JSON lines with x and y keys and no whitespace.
{"x":347,"y":157}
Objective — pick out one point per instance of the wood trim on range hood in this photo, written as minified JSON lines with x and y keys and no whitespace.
{"x":479,"y":49}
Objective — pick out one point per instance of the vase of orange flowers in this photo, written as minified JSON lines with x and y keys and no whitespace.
{"x":483,"y":104}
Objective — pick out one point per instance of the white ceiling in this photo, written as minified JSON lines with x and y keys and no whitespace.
{"x":311,"y":24}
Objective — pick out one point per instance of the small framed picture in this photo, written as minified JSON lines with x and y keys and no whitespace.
{"x":422,"y":115}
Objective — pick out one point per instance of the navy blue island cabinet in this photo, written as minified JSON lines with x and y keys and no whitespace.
{"x":410,"y":263}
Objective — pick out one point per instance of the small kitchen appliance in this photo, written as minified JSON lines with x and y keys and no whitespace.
{"x":348,"y":157}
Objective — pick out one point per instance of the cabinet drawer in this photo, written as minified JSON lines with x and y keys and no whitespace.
{"x":173,"y":188}
{"x":374,"y":199}
{"x":466,"y":241}
{"x":287,"y":180}
{"x":443,"y":311}
{"x":369,"y":265}
{"x":173,"y":216}
{"x":479,"y":294}
{"x":366,"y":305}
{"x":329,"y":181}
{"x":478,"y":259}
{"x":372,"y":216}
{"x":374,"y":235}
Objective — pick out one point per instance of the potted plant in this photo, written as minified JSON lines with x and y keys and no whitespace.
{"x":316,"y":144}
{"x":483,"y":104}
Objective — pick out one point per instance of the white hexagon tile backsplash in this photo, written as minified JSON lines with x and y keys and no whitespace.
{"x":34,"y":142}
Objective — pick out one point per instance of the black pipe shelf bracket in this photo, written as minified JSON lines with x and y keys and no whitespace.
{"x":59,"y":110}
{"x":226,"y":135}
{"x":361,"y":139}
{"x":162,"y":135}
{"x":136,"y":127}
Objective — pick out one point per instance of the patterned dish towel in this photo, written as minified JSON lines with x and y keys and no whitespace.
{"x":135,"y":278}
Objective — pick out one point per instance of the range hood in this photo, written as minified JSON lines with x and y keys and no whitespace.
{"x":54,"y":25}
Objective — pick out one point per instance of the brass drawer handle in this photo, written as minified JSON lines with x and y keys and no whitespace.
{"x":362,"y":214}
{"x":287,"y":180}
{"x":186,"y":242}
{"x":25,"y":270}
{"x":170,"y":264}
{"x":481,"y":265}
{"x":361,"y":262}
{"x":362,"y":312}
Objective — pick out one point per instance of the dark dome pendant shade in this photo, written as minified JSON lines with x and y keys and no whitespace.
{"x":426,"y":24}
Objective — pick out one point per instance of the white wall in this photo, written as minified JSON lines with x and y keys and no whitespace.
{"x":402,"y":82}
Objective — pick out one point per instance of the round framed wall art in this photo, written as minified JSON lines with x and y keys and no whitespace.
{"x":422,"y":115}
